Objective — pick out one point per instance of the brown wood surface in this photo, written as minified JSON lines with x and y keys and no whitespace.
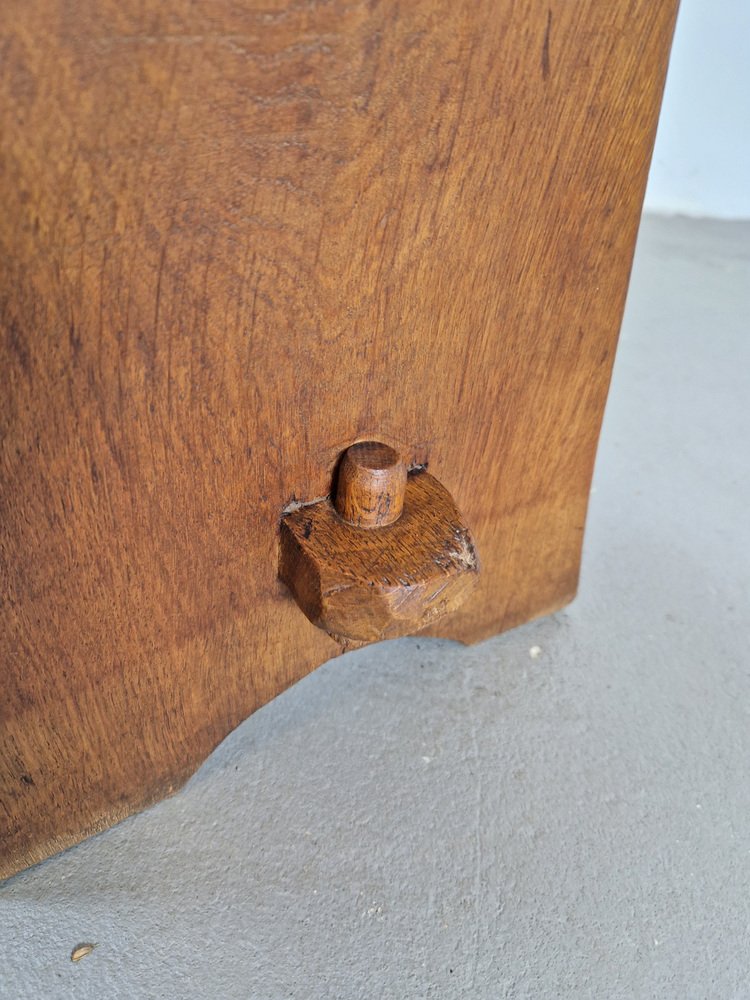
{"x":366,"y":584}
{"x":370,"y":485}
{"x":236,"y":239}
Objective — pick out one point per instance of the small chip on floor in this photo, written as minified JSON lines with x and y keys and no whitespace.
{"x":81,"y":951}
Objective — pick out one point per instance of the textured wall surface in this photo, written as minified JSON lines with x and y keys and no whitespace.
{"x":558,"y":813}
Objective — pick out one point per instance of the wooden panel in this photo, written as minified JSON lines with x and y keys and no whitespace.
{"x":235,"y":241}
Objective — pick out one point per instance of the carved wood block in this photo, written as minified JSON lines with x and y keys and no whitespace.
{"x":362,"y":584}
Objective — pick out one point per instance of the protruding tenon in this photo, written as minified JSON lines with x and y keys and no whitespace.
{"x":371,"y":485}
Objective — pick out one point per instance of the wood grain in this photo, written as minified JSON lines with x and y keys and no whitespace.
{"x":236,"y":240}
{"x":366,"y":584}
{"x":370,"y":485}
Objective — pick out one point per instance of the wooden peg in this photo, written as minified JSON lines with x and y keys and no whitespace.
{"x":361,"y":586}
{"x":371,"y":485}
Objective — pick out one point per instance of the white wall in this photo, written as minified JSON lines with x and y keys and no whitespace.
{"x":701,"y":162}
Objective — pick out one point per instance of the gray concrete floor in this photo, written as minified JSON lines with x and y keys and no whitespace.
{"x":563,"y":811}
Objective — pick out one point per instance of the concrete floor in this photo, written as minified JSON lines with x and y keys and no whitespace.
{"x":561,"y":812}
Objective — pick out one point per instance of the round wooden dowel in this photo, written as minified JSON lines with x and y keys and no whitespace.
{"x":371,"y":485}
